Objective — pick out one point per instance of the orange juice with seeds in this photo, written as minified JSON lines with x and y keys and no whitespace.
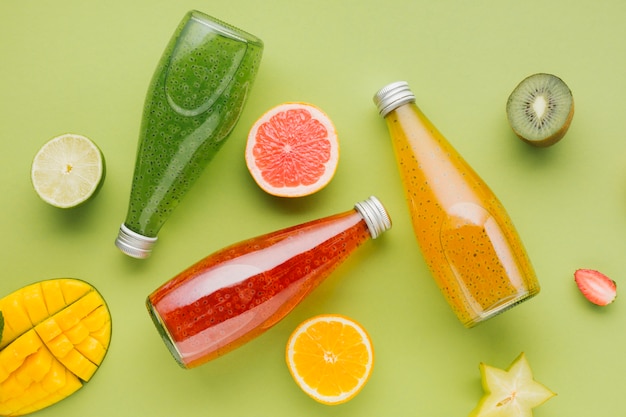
{"x":467,"y":238}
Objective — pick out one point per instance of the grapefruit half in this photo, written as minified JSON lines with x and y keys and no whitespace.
{"x":292,"y":150}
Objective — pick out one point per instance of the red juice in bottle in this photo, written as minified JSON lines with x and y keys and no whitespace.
{"x":239,"y":292}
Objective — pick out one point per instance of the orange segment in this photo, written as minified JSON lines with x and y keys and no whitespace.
{"x":330,"y":357}
{"x":292,"y":150}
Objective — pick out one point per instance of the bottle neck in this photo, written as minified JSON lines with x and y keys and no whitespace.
{"x":134,"y":244}
{"x":375,"y":216}
{"x":393,"y":96}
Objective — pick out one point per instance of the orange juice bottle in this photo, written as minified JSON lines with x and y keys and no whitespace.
{"x":467,"y":238}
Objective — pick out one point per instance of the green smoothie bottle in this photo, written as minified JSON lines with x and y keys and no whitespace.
{"x":196,"y":96}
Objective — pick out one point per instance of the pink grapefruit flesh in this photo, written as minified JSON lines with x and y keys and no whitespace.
{"x":292,"y":150}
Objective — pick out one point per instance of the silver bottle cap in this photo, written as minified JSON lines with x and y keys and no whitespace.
{"x":133,"y":244}
{"x":392,"y":96}
{"x":375,"y":216}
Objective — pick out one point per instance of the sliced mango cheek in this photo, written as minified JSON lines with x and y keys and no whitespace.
{"x":51,"y":358}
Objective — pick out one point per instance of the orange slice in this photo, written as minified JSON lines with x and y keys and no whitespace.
{"x":330,"y":357}
{"x":292,"y":150}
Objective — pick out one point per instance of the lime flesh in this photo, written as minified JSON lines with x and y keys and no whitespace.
{"x":68,"y":170}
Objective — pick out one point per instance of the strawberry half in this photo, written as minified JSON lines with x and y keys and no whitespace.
{"x":595,"y":286}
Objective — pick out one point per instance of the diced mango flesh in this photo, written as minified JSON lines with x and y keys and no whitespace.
{"x":53,"y":295}
{"x":28,"y":306}
{"x":39,"y":380}
{"x":74,"y":289}
{"x":92,"y":349}
{"x":35,"y":303}
{"x":56,"y":335}
{"x":16,"y":320}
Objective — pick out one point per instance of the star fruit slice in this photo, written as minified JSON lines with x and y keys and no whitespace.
{"x":510,"y":393}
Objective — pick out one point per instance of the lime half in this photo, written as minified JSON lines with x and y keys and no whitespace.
{"x":68,"y":170}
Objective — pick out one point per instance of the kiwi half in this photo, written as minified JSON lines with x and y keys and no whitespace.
{"x":540,"y":109}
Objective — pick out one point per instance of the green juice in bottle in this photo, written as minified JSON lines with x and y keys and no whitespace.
{"x":196,"y":96}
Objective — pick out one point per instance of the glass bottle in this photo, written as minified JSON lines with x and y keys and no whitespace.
{"x":195,"y":98}
{"x":240,"y":291}
{"x":465,"y":234}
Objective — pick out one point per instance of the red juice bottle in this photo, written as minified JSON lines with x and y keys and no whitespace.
{"x":240,"y":291}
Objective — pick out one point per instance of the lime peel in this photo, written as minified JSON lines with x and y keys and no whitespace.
{"x":68,"y":170}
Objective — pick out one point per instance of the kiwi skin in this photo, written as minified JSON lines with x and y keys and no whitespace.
{"x":553,"y":136}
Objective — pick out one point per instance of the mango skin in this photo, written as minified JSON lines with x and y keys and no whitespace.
{"x":56,"y":334}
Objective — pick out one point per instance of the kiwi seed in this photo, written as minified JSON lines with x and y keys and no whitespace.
{"x":540,"y":109}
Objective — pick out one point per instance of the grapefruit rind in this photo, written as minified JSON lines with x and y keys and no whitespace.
{"x":302,"y":188}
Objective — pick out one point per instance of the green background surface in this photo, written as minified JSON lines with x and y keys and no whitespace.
{"x":84,"y":67}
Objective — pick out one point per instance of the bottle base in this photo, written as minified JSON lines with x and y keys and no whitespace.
{"x":164,"y":333}
{"x":500,"y":308}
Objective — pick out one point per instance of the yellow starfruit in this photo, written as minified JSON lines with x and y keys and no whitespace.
{"x":512,"y":392}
